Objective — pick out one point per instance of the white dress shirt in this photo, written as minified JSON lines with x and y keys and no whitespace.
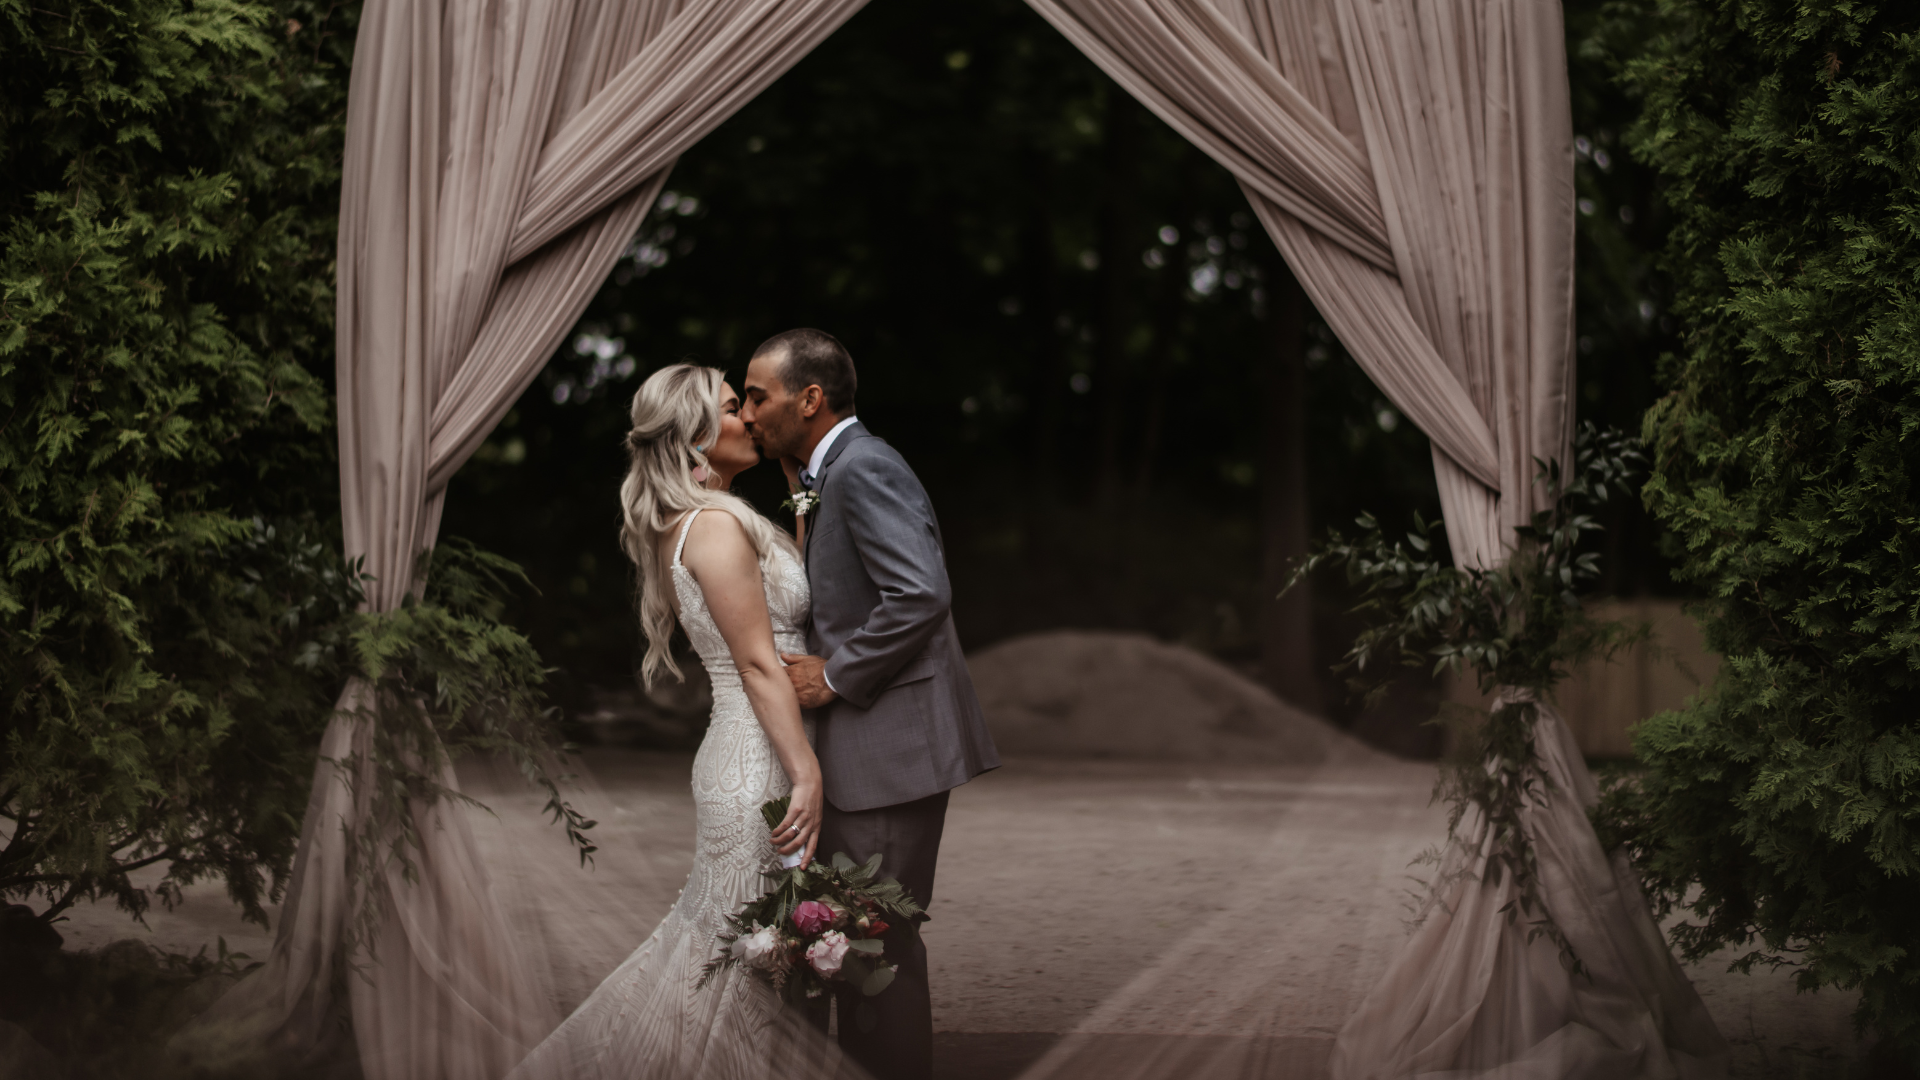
{"x":819,"y":457}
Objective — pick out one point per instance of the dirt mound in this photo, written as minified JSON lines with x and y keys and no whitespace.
{"x":1073,"y":693}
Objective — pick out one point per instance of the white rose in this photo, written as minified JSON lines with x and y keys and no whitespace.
{"x":827,"y":954}
{"x":758,"y":949}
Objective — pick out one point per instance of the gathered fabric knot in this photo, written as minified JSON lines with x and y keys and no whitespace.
{"x":1515,"y":695}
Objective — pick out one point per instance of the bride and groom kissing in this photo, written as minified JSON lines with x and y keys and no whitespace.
{"x":837,"y":680}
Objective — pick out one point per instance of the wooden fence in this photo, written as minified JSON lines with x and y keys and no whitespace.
{"x":1603,"y":700}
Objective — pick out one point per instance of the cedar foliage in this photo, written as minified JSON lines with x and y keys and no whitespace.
{"x":1780,"y":807}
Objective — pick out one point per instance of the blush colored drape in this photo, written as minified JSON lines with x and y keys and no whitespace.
{"x":1412,"y":159}
{"x":500,"y":155}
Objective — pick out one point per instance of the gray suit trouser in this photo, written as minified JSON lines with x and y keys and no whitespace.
{"x":890,"y":1034}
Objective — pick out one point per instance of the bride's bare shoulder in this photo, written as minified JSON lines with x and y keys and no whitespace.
{"x":717,"y":542}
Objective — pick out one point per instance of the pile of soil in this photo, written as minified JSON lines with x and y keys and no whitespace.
{"x":1076,"y":693}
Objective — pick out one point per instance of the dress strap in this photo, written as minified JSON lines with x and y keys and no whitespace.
{"x":685,"y":528}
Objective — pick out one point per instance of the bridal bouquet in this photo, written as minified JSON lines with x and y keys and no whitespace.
{"x":818,"y":924}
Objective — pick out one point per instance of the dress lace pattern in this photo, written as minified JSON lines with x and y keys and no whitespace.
{"x":647,"y":1019}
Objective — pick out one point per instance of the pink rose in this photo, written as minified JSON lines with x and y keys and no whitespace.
{"x":812,"y":916}
{"x":827,"y":954}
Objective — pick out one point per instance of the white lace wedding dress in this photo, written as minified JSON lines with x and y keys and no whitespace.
{"x":648,"y":1019}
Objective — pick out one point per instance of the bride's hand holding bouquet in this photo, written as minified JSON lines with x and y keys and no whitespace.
{"x":818,"y":924}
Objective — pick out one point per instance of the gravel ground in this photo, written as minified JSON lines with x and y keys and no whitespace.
{"x":1091,"y":918}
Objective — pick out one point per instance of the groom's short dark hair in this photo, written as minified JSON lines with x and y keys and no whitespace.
{"x":815,"y":358}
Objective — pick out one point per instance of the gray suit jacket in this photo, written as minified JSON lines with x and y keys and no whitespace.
{"x":907,"y":724}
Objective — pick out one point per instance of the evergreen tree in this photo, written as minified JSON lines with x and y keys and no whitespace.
{"x":1780,"y":807}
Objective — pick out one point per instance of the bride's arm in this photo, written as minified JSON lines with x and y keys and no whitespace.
{"x":728,"y":570}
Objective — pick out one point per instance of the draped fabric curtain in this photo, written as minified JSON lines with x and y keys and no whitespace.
{"x":500,"y":156}
{"x":1413,"y":161}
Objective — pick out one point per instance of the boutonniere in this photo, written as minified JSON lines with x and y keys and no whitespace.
{"x":801,"y":502}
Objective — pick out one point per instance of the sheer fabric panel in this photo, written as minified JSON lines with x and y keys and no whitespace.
{"x":1470,"y":995}
{"x":1458,"y":110}
{"x":500,"y":155}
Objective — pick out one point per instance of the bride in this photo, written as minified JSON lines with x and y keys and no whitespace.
{"x":735,"y":583}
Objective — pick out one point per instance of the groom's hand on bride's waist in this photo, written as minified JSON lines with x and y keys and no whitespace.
{"x":809,"y":677}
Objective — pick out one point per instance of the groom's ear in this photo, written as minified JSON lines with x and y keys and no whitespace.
{"x":812,"y":400}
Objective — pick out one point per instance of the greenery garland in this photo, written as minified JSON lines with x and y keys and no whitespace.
{"x":445,"y":678}
{"x":1520,"y":627}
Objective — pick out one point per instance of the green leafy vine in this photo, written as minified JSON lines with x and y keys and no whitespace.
{"x":1519,"y":626}
{"x":444,"y":677}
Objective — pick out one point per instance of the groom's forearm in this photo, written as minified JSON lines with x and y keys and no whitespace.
{"x":914,"y":603}
{"x":899,"y":629}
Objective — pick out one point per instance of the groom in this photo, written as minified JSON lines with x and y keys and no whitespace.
{"x":898,"y":725}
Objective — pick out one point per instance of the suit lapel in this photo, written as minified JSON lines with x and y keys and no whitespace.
{"x":856,"y":430}
{"x":806,"y":550}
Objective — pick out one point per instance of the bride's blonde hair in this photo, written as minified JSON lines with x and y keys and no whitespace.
{"x":676,"y":417}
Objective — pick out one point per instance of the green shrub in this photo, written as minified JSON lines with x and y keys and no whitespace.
{"x":168,"y":184}
{"x":1780,"y":807}
{"x":177,"y":619}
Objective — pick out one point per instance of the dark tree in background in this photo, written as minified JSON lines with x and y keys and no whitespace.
{"x":1288,"y":661}
{"x":1622,"y":301}
{"x":1061,"y":311}
{"x":1064,"y":315}
{"x":177,"y":617}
